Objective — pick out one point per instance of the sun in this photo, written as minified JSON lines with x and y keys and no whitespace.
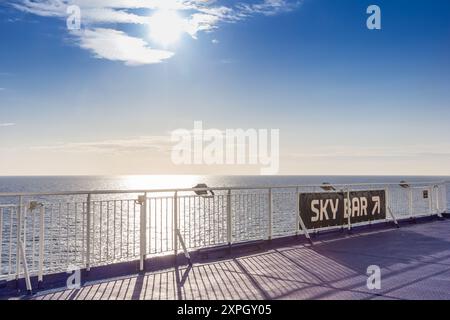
{"x":166,"y":27}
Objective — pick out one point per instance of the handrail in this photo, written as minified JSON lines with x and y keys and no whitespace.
{"x":156,"y":221}
{"x":102,"y":192}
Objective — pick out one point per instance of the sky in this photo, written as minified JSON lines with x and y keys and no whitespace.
{"x":104,"y":99}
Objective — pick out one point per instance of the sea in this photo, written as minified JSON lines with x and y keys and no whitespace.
{"x":147,"y":182}
{"x":115,"y":228}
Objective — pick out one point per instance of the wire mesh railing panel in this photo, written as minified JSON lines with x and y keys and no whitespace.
{"x":399,"y":201}
{"x":64,"y":235}
{"x":441,"y":198}
{"x":160,"y":224}
{"x":249,"y":216}
{"x":202,"y":220}
{"x":114,"y":231}
{"x":284,"y":207}
{"x":8,"y":241}
{"x":421,"y":201}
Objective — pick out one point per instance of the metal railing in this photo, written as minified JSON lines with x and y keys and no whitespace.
{"x":85,"y":229}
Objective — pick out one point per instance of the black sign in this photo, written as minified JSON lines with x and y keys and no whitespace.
{"x":319,"y":210}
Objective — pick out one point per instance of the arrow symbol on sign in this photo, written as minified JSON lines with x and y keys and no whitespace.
{"x":376,"y":207}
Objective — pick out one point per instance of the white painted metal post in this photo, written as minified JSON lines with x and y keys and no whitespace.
{"x":19,"y":233}
{"x":438,"y":211}
{"x":349,"y":212}
{"x":388,"y":208}
{"x":297,"y":217}
{"x":443,"y":195}
{"x":270,"y":215}
{"x":25,"y":266}
{"x":143,"y":230}
{"x":430,"y":200}
{"x":41,"y":245}
{"x":410,"y":202}
{"x":88,"y":233}
{"x":1,"y":237}
{"x":305,"y":230}
{"x":437,"y":199}
{"x":175,"y":223}
{"x":229,"y":220}
{"x":300,"y":222}
{"x":386,"y":191}
{"x":183,"y":245}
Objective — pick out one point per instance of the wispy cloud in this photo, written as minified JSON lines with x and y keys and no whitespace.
{"x":343,"y":151}
{"x":1,"y":89}
{"x":114,"y":44}
{"x":267,"y":7}
{"x":136,"y":144}
{"x":7,"y":124}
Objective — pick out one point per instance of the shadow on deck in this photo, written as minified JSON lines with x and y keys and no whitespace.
{"x":414,"y":262}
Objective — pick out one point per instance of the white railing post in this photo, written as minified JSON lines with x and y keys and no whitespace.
{"x":143,"y":231}
{"x":444,"y":199}
{"x":1,"y":238}
{"x":175,"y":223}
{"x":437,"y":199}
{"x":183,"y":245}
{"x":410,"y":202}
{"x":25,"y":266}
{"x":297,"y":210}
{"x":88,"y":233}
{"x":349,"y":210}
{"x":41,"y":245}
{"x":386,"y":191}
{"x":229,"y":220}
{"x":430,"y":200}
{"x":436,"y":190}
{"x":299,"y":220}
{"x":19,"y":232}
{"x":388,"y":207}
{"x":270,"y":215}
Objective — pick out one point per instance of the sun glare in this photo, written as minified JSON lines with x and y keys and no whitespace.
{"x":166,"y":27}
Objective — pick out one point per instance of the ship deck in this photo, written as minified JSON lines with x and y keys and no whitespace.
{"x":414,"y":262}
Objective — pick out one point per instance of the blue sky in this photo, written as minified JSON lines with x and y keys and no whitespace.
{"x":347,"y":100}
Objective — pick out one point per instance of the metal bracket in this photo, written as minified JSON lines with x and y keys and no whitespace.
{"x":183,"y":245}
{"x":304,"y":229}
{"x":393,"y":216}
{"x":141,"y":199}
{"x":25,"y":267}
{"x":389,"y":207}
{"x":33,"y":205}
{"x":300,"y":221}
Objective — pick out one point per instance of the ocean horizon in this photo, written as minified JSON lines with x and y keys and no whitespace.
{"x":148,"y":182}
